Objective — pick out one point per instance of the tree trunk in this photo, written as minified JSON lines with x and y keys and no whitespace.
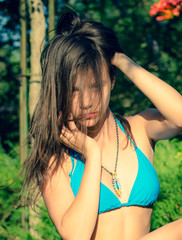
{"x":23,"y":94}
{"x":51,"y":8}
{"x":37,"y":34}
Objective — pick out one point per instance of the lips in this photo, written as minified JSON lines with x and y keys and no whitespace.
{"x":91,"y":115}
{"x":87,"y":116}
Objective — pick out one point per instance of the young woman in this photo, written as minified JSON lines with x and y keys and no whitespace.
{"x":94,"y":169}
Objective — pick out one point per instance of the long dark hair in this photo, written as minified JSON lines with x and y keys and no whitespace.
{"x":78,"y":44}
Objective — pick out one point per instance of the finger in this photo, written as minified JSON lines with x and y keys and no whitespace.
{"x":71,"y":123}
{"x":66,"y":134}
{"x":72,"y":126}
{"x":65,"y":139}
{"x":69,"y":140}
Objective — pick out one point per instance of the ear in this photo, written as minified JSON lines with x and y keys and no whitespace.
{"x":113,"y":83}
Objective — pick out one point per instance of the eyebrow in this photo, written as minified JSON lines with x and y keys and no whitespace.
{"x":91,"y":84}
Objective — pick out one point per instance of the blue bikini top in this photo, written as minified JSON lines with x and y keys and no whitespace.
{"x":144,"y":192}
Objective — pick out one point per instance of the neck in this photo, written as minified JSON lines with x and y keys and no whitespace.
{"x":103,"y":131}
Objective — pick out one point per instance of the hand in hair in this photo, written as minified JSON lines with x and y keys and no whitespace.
{"x":77,"y":140}
{"x":115,"y":60}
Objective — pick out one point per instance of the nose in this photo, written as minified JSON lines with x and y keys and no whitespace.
{"x":86,"y":100}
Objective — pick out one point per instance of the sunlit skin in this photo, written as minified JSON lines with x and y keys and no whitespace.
{"x":77,"y":217}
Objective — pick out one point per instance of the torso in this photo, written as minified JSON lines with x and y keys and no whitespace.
{"x":130,"y":223}
{"x":125,"y":223}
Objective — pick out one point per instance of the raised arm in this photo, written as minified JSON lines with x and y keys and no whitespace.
{"x":168,"y":119}
{"x":75,"y":217}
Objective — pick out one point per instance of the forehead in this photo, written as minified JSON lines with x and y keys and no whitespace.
{"x":89,"y":75}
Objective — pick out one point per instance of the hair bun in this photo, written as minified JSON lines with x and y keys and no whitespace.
{"x":67,"y":22}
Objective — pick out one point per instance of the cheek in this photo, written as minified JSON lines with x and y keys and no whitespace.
{"x":106,"y":96}
{"x":104,"y":101}
{"x":74,"y":107}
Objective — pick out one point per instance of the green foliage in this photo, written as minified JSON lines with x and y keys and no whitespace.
{"x":10,"y":212}
{"x":168,"y":163}
{"x":9,"y":70}
{"x":9,"y":94}
{"x":154,"y":45}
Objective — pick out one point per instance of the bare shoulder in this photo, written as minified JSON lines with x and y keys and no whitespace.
{"x":140,"y":121}
{"x":150,"y":114}
{"x":64,"y":167}
{"x":57,"y":194}
{"x":137,"y":124}
{"x":154,"y":124}
{"x":59,"y":176}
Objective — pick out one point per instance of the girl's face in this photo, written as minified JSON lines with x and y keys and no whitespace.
{"x":89,"y":106}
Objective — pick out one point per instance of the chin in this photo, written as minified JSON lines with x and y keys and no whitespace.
{"x":89,"y":122}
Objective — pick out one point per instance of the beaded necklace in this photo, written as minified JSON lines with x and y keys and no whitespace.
{"x":115,"y":181}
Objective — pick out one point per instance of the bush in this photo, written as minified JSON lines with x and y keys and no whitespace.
{"x":168,"y":163}
{"x":10,"y":210}
{"x":10,"y":213}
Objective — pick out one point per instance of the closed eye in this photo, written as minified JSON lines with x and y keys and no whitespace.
{"x":104,"y":83}
{"x":96,"y":85}
{"x":75,"y":89}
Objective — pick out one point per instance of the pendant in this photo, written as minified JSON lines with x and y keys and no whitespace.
{"x":116,"y":184}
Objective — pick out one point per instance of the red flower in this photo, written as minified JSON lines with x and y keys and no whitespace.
{"x":176,"y":11}
{"x":166,"y":9}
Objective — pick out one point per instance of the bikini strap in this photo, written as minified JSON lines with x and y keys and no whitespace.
{"x":122,"y":128}
{"x":73,"y":165}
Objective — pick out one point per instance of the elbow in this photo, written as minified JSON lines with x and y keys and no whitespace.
{"x":74,"y":227}
{"x":74,"y":233}
{"x":178,"y":124}
{"x":178,"y":121}
{"x":174,"y":127}
{"x":72,"y":236}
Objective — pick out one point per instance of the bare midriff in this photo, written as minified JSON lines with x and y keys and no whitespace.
{"x":125,"y":223}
